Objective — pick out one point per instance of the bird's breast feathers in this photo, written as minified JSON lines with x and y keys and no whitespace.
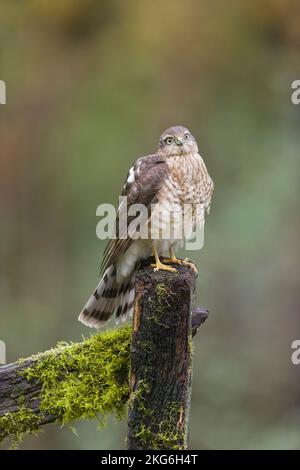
{"x":183,"y":198}
{"x":187,"y":182}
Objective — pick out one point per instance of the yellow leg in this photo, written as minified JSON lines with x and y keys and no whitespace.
{"x":173,"y":258}
{"x":182,"y":262}
{"x":160,"y":266}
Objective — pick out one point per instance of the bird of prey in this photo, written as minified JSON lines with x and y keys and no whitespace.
{"x":165,"y":182}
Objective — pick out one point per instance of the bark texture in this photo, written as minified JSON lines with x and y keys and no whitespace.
{"x":90,"y":379}
{"x":161,"y":359}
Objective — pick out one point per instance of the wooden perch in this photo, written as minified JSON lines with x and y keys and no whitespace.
{"x":90,"y":379}
{"x":161,"y":359}
{"x":70,"y":382}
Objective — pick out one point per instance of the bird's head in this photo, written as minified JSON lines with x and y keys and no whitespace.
{"x":177,"y":140}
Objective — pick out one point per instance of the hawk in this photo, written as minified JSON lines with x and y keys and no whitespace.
{"x":165,"y":183}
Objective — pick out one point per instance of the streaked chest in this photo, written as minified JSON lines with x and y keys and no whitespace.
{"x":186,"y":180}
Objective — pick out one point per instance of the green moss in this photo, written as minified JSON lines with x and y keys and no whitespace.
{"x":79,"y":381}
{"x":164,"y":430}
{"x":138,"y":396}
{"x":16,"y":424}
{"x":86,"y":380}
{"x":161,"y":291}
{"x":165,"y":434}
{"x":159,"y":305}
{"x":145,"y":345}
{"x":157,"y":431}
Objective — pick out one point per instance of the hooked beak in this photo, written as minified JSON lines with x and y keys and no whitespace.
{"x":179,"y":141}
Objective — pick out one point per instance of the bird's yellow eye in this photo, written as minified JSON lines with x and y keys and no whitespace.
{"x":187,"y":136}
{"x":169,"y":140}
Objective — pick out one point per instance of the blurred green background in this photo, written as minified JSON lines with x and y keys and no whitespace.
{"x":90,"y":86}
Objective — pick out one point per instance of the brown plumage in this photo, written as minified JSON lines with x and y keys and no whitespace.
{"x":165,"y":183}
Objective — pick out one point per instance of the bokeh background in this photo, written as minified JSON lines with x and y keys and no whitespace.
{"x":90,"y":86}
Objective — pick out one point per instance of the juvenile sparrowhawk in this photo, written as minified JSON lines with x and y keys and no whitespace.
{"x":167,"y":182}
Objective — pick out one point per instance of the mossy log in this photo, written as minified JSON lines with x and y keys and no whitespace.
{"x":161,"y":359}
{"x":91,"y":379}
{"x":70,"y":382}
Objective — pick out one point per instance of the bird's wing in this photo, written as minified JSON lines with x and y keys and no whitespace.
{"x":143,"y":183}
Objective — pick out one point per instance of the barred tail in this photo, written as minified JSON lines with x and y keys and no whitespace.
{"x":109,"y":297}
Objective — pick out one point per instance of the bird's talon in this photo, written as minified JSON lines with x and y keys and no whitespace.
{"x":190,"y":265}
{"x":182,"y":262}
{"x":162,"y":267}
{"x":173,"y":260}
